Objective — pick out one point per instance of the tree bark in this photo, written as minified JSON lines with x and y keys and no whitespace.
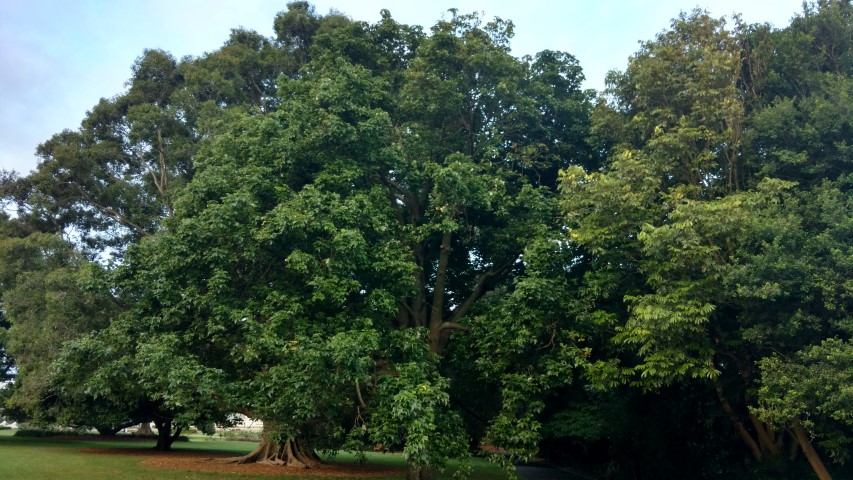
{"x":437,"y":311}
{"x":294,"y":452}
{"x":765,"y":437}
{"x":810,"y":453}
{"x":164,"y":443}
{"x":145,"y":429}
{"x":738,"y":424}
{"x":165,"y":437}
{"x":419,"y":472}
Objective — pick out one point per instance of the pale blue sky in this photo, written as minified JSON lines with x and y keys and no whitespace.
{"x":59,"y":57}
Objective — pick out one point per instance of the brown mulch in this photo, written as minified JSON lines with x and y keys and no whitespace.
{"x":213,"y":462}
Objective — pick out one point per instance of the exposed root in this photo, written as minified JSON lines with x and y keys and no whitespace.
{"x":291,"y":453}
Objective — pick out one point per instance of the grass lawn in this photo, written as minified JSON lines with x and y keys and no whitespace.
{"x":59,"y":459}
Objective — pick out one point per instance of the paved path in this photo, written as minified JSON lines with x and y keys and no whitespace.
{"x":544,"y":473}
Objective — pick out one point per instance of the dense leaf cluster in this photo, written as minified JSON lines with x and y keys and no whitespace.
{"x":371,"y":236}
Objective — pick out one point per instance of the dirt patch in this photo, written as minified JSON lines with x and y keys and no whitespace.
{"x":213,"y":462}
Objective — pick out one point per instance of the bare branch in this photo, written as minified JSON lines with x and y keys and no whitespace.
{"x":114,"y":214}
{"x":390,"y":182}
{"x":480,"y":289}
{"x":407,"y":307}
{"x":358,"y":392}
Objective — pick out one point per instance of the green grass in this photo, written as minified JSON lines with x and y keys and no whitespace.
{"x":55,"y":459}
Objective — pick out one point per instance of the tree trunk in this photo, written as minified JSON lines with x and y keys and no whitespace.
{"x":765,"y":437}
{"x":294,"y":452}
{"x":437,"y":310}
{"x":419,"y":472}
{"x":739,"y":427}
{"x":145,"y":429}
{"x":107,"y":431}
{"x":812,"y":456}
{"x":165,"y":437}
{"x":111,"y":431}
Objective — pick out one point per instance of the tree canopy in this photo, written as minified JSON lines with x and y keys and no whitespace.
{"x":375,"y":236}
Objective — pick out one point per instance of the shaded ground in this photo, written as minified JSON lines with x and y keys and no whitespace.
{"x":201,"y":461}
{"x":212,"y":462}
{"x":544,"y":473}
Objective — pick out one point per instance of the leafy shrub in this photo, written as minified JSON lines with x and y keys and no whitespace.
{"x":57,"y":432}
{"x":44,"y":432}
{"x":241,"y":435}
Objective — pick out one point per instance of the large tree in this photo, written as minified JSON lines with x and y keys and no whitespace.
{"x":8,"y":229}
{"x":703,"y":260}
{"x":114,"y":179}
{"x":111,"y":182}
{"x":51,"y":294}
{"x":324,"y":254}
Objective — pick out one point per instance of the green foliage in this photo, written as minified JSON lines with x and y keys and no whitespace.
{"x":114,"y":178}
{"x":8,"y":229}
{"x":312,"y":238}
{"x":812,"y":388}
{"x":51,"y":296}
{"x":45,"y":432}
{"x":412,"y":411}
{"x":712,"y":233}
{"x":375,"y":234}
{"x":240,"y":435}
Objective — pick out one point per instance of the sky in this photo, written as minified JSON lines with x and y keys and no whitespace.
{"x":59,"y":57}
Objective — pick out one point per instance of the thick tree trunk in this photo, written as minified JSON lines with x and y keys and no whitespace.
{"x":165,"y":437}
{"x":295,"y":452}
{"x":766,"y":437}
{"x":419,"y":472}
{"x":812,"y":456}
{"x":436,"y":313}
{"x":145,"y":429}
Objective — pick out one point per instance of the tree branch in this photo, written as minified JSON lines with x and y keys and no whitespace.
{"x":440,"y":279}
{"x":738,"y":424}
{"x":454,"y":326}
{"x":358,"y":393}
{"x":435,"y":320}
{"x":390,"y":182}
{"x":406,"y":306}
{"x":164,"y":174}
{"x":480,"y":289}
{"x":114,"y":214}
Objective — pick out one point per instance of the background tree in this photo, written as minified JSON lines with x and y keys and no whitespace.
{"x":116,"y":177}
{"x":811,"y":389}
{"x":51,"y":295}
{"x":8,"y":229}
{"x":113,"y":179}
{"x":701,"y":260}
{"x":353,"y":231}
